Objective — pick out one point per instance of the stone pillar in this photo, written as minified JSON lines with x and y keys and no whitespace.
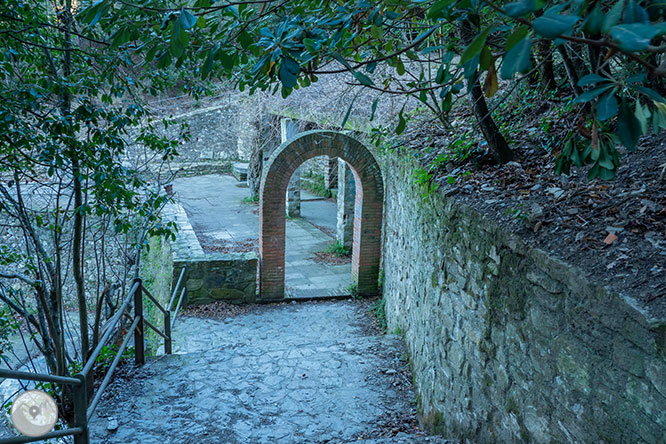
{"x":331,"y":172}
{"x":346,"y":198}
{"x":288,"y":130}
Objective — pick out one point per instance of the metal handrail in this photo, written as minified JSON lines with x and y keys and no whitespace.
{"x":112,"y":367}
{"x":28,"y":376}
{"x":83,"y":411}
{"x":56,"y":434}
{"x":155,"y":301}
{"x":180,"y":301}
{"x":110,"y":329}
{"x":175,"y":290}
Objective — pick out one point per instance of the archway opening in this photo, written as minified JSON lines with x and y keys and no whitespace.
{"x":367,"y":209}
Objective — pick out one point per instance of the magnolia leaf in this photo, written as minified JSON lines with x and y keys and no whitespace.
{"x":439,"y":9}
{"x":517,"y":59}
{"x":592,"y":79}
{"x":613,"y":16}
{"x":187,"y":20}
{"x":607,"y":106}
{"x":363,"y":79}
{"x":490,"y":86}
{"x":520,"y":8}
{"x":591,"y":94}
{"x":628,"y":127}
{"x":474,"y":48}
{"x":402,"y":123}
{"x":634,"y":13}
{"x":634,"y":37}
{"x":554,"y":25}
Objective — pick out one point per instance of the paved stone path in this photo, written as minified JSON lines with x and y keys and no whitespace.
{"x":288,"y":373}
{"x":215,"y":207}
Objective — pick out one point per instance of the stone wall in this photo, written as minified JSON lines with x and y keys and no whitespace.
{"x":156,"y":272}
{"x":508,"y":344}
{"x":229,"y":277}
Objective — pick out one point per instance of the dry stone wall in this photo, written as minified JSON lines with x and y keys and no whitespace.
{"x":508,"y":344}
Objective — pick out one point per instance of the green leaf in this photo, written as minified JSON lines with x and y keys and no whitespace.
{"x":607,"y":106}
{"x":594,"y":22}
{"x":613,"y":16}
{"x":634,"y":13}
{"x":654,"y":95}
{"x":245,"y":40}
{"x":554,"y":25}
{"x":348,"y":113}
{"x":518,"y":35}
{"x":628,"y":127}
{"x":520,"y":8}
{"x":187,"y":20}
{"x":485,"y":58}
{"x":474,"y":48}
{"x":591,"y":94}
{"x":402,"y":123}
{"x":592,"y":79}
{"x":439,"y":9}
{"x":363,"y":79}
{"x":517,"y":59}
{"x":634,"y":37}
{"x":374,"y":109}
{"x":288,"y":72}
{"x":176,"y":44}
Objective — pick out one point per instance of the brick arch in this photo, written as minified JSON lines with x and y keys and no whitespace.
{"x":367,"y":208}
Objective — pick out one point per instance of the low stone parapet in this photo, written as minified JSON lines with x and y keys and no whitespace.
{"x":229,"y":277}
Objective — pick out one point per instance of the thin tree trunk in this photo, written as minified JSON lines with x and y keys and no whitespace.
{"x":546,"y":70}
{"x":77,"y":242}
{"x":491,"y":133}
{"x":570,"y":68}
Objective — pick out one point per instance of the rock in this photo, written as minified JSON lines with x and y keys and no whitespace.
{"x":555,"y":191}
{"x":535,"y":214}
{"x":112,"y":424}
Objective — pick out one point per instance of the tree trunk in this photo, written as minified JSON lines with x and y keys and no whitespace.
{"x":570,"y":68}
{"x":77,"y":241}
{"x":546,"y":70}
{"x":491,"y":133}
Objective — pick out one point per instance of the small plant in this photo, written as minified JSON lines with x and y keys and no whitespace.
{"x":353,"y":291}
{"x":338,"y":249}
{"x":379,"y":310}
{"x":317,"y":185}
{"x":254,"y":199}
{"x":517,"y":213}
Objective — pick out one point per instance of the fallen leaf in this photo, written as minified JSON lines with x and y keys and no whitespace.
{"x":610,"y":239}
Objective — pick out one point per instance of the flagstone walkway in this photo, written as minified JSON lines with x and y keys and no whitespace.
{"x":279,"y":374}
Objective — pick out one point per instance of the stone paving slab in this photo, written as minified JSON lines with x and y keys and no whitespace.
{"x":281,"y":374}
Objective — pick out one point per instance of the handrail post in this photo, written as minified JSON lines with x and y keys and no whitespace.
{"x":80,"y":409}
{"x":167,"y":332}
{"x":139,"y":353}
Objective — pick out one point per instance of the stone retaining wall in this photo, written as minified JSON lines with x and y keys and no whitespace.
{"x":508,"y":344}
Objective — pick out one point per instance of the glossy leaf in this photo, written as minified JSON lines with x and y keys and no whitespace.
{"x":517,"y":59}
{"x":554,"y":25}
